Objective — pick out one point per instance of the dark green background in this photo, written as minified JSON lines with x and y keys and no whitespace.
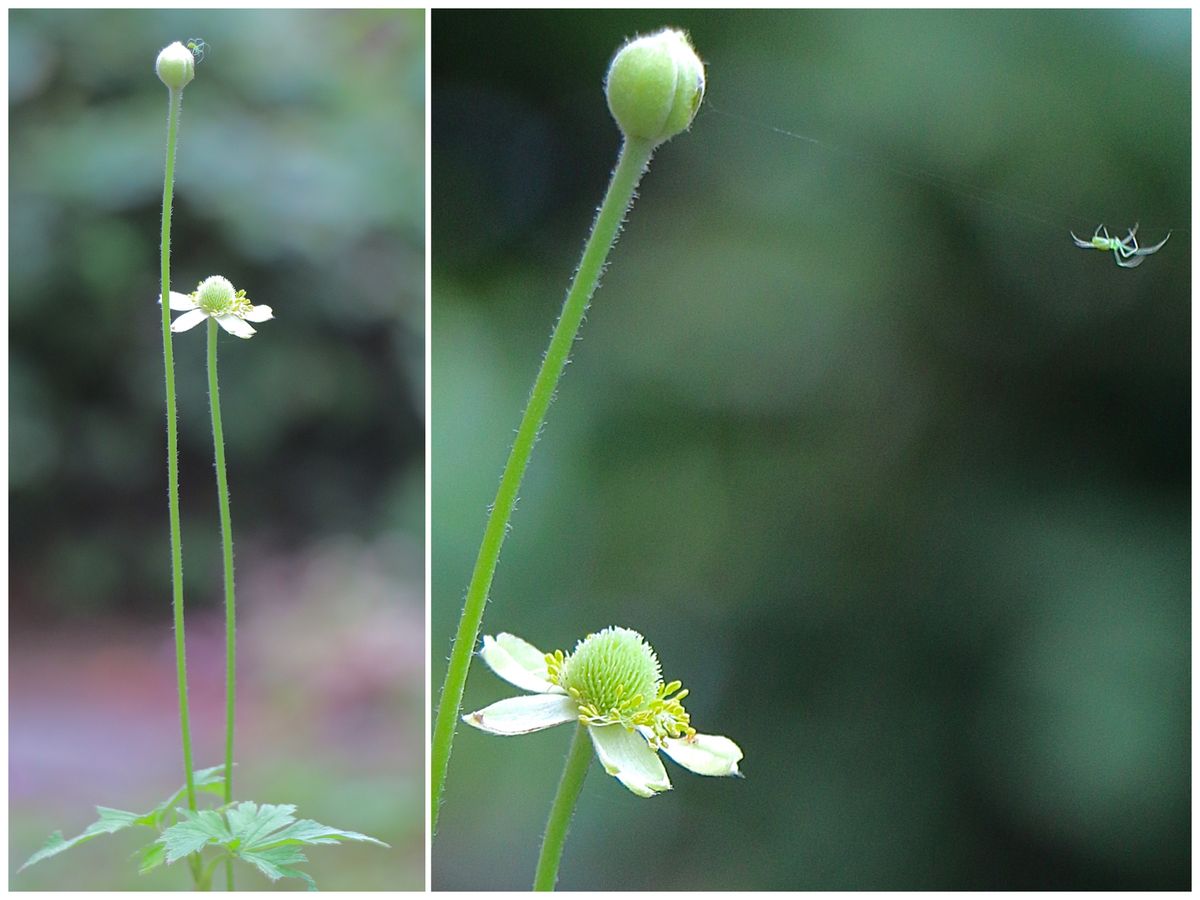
{"x":893,"y":476}
{"x":300,"y":178}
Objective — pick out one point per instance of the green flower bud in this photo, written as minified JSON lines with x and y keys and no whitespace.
{"x":655,"y":85}
{"x":176,"y":66}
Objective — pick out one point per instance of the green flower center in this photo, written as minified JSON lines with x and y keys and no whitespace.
{"x":215,"y":295}
{"x":615,"y":677}
{"x":612,"y":668}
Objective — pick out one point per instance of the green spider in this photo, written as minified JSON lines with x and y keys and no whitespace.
{"x":1125,"y":250}
{"x":199,"y":48}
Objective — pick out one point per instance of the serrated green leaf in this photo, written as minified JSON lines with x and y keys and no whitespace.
{"x":267,"y":837}
{"x":251,"y":823}
{"x":296,"y":873}
{"x":271,"y":840}
{"x":193,"y":831}
{"x":211,"y":780}
{"x":275,"y":863}
{"x":213,"y":786}
{"x":110,"y":822}
{"x":114,"y":820}
{"x":151,"y":857}
{"x":263,"y":827}
{"x":306,"y":831}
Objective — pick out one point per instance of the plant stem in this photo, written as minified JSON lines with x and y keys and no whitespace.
{"x":175,"y":107}
{"x":207,"y":873}
{"x":631,"y":164}
{"x":214,"y":403}
{"x":569,"y":786}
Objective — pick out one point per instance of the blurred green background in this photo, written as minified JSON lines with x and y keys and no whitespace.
{"x":299,"y":177}
{"x":893,"y":477}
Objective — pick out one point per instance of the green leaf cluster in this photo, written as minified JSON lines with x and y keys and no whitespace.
{"x":269,"y":837}
{"x":111,"y":821}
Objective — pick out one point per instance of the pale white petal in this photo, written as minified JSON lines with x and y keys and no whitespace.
{"x":189,"y":319}
{"x":626,"y":756}
{"x":179,"y":302}
{"x":522,"y":715}
{"x":518,"y":662}
{"x":705,"y":754}
{"x":235,"y":326}
{"x":259,"y":314}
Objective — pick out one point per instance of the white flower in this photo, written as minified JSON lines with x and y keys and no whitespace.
{"x":215,"y":298}
{"x":612,"y":683}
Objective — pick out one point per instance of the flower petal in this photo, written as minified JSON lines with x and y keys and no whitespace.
{"x":626,"y":756}
{"x":235,"y":326}
{"x":518,"y":662}
{"x":189,"y":319}
{"x":179,"y":302}
{"x":705,"y":754}
{"x":259,"y":314}
{"x":522,"y":715}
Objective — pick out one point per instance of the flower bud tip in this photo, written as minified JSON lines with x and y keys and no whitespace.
{"x":654,"y":86}
{"x":176,"y":66}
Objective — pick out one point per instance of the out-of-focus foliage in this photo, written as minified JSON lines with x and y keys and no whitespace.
{"x":893,"y":476}
{"x":299,"y":177}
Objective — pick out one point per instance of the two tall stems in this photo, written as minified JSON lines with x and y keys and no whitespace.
{"x":635,"y":156}
{"x":175,"y":108}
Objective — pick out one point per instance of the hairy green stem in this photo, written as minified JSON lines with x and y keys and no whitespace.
{"x":569,"y":786}
{"x":206,"y":874}
{"x":175,"y":107}
{"x":635,"y":156}
{"x":214,"y":404}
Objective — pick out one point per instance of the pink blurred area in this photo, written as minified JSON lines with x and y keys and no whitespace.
{"x":330,"y":704}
